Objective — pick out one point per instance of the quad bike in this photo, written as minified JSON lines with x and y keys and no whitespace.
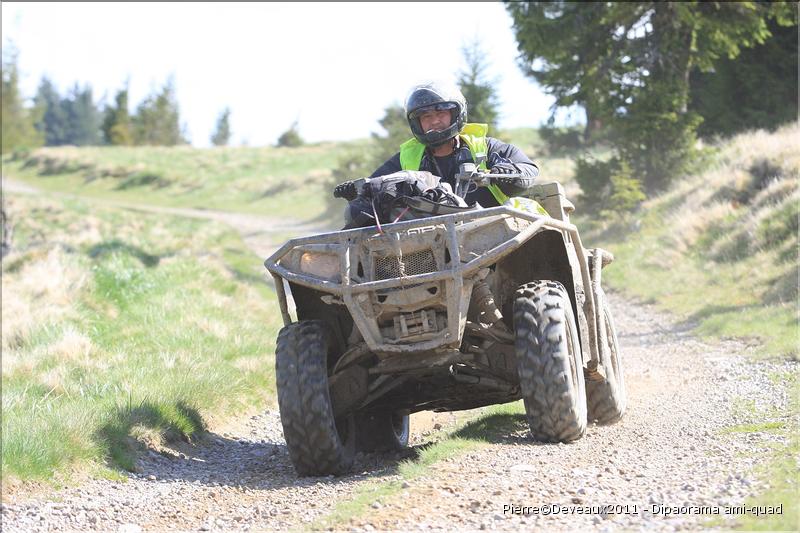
{"x":442,"y":313}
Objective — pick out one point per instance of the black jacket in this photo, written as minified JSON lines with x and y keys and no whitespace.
{"x":447,"y":167}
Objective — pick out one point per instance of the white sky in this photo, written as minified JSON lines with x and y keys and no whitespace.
{"x":333,"y":66}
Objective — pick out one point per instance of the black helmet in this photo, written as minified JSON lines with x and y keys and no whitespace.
{"x":436,"y":96}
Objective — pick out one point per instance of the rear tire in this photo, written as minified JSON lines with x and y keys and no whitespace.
{"x":549,"y":362}
{"x":606,"y":400}
{"x":381,"y":432}
{"x":318,"y":444}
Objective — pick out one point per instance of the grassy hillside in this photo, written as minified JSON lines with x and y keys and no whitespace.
{"x":271,"y":181}
{"x":292,"y":182}
{"x":118,"y":326}
{"x":720,"y":248}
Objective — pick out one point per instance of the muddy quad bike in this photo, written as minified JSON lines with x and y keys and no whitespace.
{"x":443,"y":313}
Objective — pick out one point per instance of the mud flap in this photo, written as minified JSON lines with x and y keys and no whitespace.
{"x":594,"y":370}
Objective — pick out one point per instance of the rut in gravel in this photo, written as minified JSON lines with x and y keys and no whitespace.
{"x":669,"y":450}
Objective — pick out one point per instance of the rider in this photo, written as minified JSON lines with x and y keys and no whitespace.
{"x":443,"y":140}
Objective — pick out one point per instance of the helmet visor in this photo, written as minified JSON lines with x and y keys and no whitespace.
{"x":443,"y":106}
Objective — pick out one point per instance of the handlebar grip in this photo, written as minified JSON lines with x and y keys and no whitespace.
{"x":507,"y":179}
{"x":503,"y":176}
{"x":346,"y":190}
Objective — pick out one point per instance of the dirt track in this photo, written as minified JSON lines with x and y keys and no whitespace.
{"x":668,"y":451}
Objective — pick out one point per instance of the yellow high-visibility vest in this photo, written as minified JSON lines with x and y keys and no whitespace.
{"x":473,"y":135}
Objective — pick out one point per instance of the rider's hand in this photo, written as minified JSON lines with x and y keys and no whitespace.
{"x":504,"y":168}
{"x":511,"y":181}
{"x":346,"y":190}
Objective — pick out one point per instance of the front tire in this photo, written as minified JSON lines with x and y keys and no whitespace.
{"x":318,"y":444}
{"x":549,"y":362}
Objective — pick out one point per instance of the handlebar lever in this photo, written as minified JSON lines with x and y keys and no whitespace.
{"x":469,"y":173}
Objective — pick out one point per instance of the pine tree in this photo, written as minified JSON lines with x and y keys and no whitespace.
{"x":480,"y":92}
{"x":18,"y":121}
{"x":222,"y":131}
{"x":54,"y":124}
{"x":757,"y":89}
{"x":630,"y":63}
{"x":117,"y":123}
{"x":83,"y":118}
{"x":72,"y":119}
{"x":157,"y":119}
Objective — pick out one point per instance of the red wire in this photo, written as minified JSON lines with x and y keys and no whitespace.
{"x":377,"y":220}
{"x":401,"y":214}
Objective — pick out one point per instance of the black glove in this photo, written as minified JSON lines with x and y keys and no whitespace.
{"x":504,"y":168}
{"x":346,"y":190}
{"x":501,"y":165}
{"x":511,"y":181}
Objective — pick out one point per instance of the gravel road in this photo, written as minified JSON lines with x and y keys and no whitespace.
{"x":669,"y":451}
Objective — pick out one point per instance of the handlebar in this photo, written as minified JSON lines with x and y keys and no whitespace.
{"x":467,"y":172}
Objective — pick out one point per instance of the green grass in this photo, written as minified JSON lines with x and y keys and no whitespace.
{"x":756,"y":428}
{"x":559,"y":168}
{"x":120,"y":328}
{"x":779,"y":469}
{"x":782,"y":471}
{"x":720,"y":300}
{"x":718,"y":249}
{"x":361,"y":500}
{"x":491,"y":426}
{"x":292,"y":182}
{"x":274,"y":181}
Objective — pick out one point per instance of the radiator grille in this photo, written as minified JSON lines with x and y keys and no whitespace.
{"x":391,"y":266}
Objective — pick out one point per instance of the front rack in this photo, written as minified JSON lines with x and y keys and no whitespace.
{"x":348,"y":290}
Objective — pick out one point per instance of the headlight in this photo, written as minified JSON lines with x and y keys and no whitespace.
{"x":320,"y":265}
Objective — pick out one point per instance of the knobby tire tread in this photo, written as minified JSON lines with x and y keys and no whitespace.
{"x":555,"y":408}
{"x":309,"y":428}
